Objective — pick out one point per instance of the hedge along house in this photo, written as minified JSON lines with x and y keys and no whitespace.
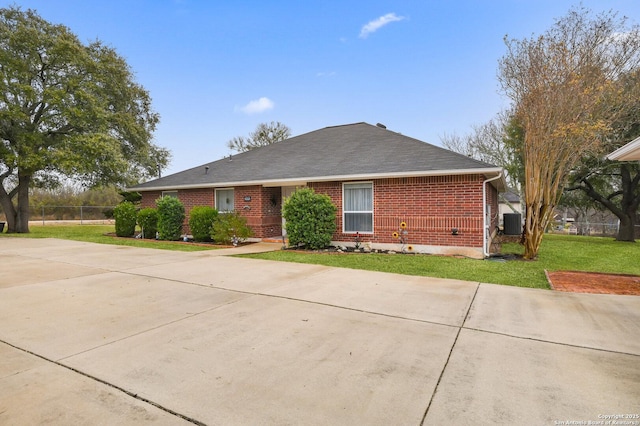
{"x":377,"y":178}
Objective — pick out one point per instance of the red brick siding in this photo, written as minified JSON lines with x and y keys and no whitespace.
{"x":431,"y":207}
{"x":192,"y":198}
{"x":263,"y":211}
{"x":262,"y":215}
{"x":149,"y":199}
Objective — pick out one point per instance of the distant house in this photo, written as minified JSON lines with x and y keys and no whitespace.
{"x":628,"y":152}
{"x":377,"y":178}
{"x":509,"y":203}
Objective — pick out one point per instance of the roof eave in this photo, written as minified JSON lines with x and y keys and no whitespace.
{"x":494,"y":171}
{"x":628,"y":152}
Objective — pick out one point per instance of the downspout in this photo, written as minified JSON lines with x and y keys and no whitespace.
{"x":485,"y":228}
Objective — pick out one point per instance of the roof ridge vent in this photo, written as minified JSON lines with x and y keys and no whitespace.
{"x":382,"y":126}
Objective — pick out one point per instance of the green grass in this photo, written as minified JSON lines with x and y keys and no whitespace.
{"x":558,"y":252}
{"x":97,"y":234}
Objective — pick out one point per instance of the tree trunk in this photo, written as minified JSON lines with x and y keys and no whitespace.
{"x":22,"y":212}
{"x":17,"y":217}
{"x":9,"y":209}
{"x":626,"y":232}
{"x":534,"y":226}
{"x":629,"y":195}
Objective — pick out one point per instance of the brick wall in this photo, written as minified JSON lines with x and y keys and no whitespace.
{"x":431,"y":207}
{"x":149,"y":198}
{"x":263,"y":210}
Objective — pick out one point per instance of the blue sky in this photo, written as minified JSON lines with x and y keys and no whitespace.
{"x":215,"y":69}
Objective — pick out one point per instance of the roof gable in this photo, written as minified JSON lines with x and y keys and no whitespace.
{"x":356,"y":150}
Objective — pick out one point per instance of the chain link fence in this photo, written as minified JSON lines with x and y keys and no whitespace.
{"x":596,"y":229}
{"x":81,"y":214}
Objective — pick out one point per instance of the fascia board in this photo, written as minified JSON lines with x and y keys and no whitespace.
{"x":343,"y":178}
{"x":628,"y":152}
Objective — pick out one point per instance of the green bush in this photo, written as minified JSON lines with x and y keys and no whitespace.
{"x":228,"y":226}
{"x":201,"y":222}
{"x":170,"y":218}
{"x":125,"y":216}
{"x":310,"y":219}
{"x":148,"y":222}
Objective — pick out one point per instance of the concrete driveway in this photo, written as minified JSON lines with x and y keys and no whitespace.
{"x":98,"y":334}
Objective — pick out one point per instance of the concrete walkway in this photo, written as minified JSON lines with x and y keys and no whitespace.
{"x":99,"y":334}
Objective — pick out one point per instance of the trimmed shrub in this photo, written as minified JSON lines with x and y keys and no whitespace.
{"x":228,"y":226}
{"x":201,"y":222}
{"x":125,"y":216}
{"x":310,"y":219}
{"x":148,"y":222}
{"x":170,"y":218}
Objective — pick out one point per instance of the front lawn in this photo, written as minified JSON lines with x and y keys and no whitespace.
{"x":98,"y":234}
{"x":558,"y":252}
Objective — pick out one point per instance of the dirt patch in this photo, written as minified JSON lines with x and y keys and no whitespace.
{"x":594,"y":282}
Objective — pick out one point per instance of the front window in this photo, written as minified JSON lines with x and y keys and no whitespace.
{"x":170,"y":194}
{"x":224,"y":200}
{"x":357,"y":206}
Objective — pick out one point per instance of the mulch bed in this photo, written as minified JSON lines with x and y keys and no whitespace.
{"x":594,"y":282}
{"x":190,"y":242}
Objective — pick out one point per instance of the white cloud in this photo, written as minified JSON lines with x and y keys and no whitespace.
{"x":255,"y":107}
{"x":376,"y":24}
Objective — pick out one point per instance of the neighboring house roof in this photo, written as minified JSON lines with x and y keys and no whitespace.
{"x":348,"y":152}
{"x":510,"y":195}
{"x":628,"y":152}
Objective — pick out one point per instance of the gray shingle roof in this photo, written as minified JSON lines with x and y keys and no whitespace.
{"x":356,"y":150}
{"x":511,"y":195}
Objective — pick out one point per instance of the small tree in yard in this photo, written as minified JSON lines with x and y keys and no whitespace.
{"x":201,"y":220}
{"x":229,"y":228}
{"x":310,"y":219}
{"x":170,"y":218}
{"x":125,"y":216}
{"x":148,"y":221}
{"x":567,"y":91}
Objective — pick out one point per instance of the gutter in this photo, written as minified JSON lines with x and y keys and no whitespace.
{"x":485,"y":228}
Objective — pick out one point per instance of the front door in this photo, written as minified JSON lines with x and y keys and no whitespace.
{"x":287,"y":191}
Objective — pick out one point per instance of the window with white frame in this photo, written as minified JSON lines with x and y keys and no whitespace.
{"x":170,"y":194}
{"x":357,"y":207}
{"x":224,"y":200}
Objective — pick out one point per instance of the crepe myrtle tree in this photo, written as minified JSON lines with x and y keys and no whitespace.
{"x":68,"y":110}
{"x":565,"y":86}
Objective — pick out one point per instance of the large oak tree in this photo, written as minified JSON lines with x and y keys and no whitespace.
{"x":67,"y":110}
{"x":615,"y":185}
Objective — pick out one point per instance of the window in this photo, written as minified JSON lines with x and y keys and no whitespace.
{"x":170,"y":194}
{"x":357,"y":206}
{"x":224,"y":200}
